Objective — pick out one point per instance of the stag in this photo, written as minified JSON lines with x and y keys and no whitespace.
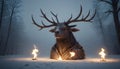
{"x":65,"y":40}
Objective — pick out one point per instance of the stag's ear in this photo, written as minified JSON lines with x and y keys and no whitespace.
{"x":74,"y":29}
{"x":52,"y":30}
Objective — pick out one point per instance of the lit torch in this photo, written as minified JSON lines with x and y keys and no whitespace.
{"x":72,"y":54}
{"x":34,"y":52}
{"x":102,"y":54}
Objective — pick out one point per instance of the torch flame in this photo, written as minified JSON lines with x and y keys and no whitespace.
{"x":102,"y":54}
{"x":59,"y":58}
{"x":34,"y":52}
{"x":72,"y":54}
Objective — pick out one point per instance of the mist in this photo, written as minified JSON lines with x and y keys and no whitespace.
{"x":87,"y":36}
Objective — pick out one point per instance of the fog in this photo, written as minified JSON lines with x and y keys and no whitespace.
{"x":87,"y":36}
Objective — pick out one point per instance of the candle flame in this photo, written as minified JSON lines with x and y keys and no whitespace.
{"x":102,"y":54}
{"x":72,"y":54}
{"x":59,"y":58}
{"x":34,"y":52}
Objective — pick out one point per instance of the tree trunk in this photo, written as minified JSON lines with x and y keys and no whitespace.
{"x":1,"y":14}
{"x":116,"y":22}
{"x":1,"y":19}
{"x":117,"y":26}
{"x":9,"y":31}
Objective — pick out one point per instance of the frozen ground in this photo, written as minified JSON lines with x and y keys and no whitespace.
{"x":23,"y":62}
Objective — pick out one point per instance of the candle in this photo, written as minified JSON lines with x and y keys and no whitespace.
{"x":34,"y":52}
{"x":102,"y":54}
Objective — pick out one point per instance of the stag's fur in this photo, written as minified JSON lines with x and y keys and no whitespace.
{"x":64,"y":46}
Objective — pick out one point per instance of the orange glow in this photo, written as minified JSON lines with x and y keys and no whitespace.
{"x":102,"y":54}
{"x":60,"y":58}
{"x":34,"y":52}
{"x":72,"y":54}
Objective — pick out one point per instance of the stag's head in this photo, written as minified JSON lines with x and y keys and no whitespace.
{"x":62,"y":29}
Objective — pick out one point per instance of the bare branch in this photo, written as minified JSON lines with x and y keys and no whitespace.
{"x":109,"y":11}
{"x":108,"y":2}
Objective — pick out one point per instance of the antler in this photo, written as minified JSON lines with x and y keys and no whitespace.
{"x":70,"y":20}
{"x":53,"y":23}
{"x":85,"y":19}
{"x":44,"y":16}
{"x":43,"y":25}
{"x":55,"y":17}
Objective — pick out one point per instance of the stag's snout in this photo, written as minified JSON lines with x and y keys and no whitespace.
{"x":59,"y":34}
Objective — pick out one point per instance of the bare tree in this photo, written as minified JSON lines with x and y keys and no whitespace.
{"x":115,"y":9}
{"x":1,"y":14}
{"x":1,"y":18}
{"x":13,"y":5}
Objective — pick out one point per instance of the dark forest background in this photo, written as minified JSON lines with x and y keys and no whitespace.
{"x":13,"y":37}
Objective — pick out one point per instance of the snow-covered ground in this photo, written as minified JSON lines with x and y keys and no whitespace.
{"x":23,"y":62}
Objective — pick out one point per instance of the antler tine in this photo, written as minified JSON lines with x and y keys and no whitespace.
{"x":71,"y":20}
{"x":87,"y":16}
{"x":53,"y":19}
{"x":79,"y":14}
{"x":55,"y":15}
{"x":42,"y":23}
{"x":44,"y":16}
{"x":92,"y":16}
{"x":41,"y":26}
{"x":85,"y":19}
{"x":36,"y":23}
